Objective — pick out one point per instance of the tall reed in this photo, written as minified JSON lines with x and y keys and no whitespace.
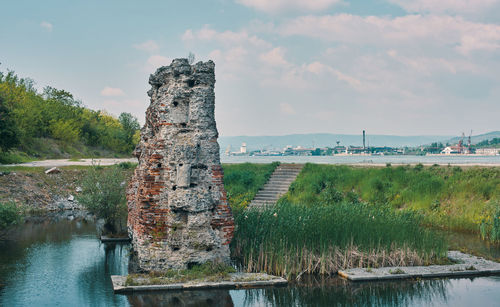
{"x":290,"y":240}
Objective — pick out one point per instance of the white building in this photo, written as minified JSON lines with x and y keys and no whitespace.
{"x":243,"y":148}
{"x":487,"y":151}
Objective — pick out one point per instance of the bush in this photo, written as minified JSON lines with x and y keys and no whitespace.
{"x":103,"y":194}
{"x":9,"y":215}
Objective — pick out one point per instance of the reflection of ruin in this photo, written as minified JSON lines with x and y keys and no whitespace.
{"x":178,"y":212}
{"x":208,"y":298}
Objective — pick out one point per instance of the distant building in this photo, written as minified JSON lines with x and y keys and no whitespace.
{"x":488,"y":151}
{"x":243,"y":148}
{"x":452,"y":150}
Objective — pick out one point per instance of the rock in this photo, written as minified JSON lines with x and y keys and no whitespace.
{"x":53,"y":170}
{"x":78,"y":189}
{"x":71,"y":198}
{"x":178,"y":210}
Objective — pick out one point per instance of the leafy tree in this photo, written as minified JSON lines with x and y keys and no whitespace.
{"x":8,"y":129}
{"x":103,"y":194}
{"x":130,"y":126}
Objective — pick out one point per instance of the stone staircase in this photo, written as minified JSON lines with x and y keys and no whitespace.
{"x":277,"y":185}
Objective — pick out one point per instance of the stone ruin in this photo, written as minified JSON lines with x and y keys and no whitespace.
{"x":178,"y":213}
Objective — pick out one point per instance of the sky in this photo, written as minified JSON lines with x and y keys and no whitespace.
{"x":396,"y":67}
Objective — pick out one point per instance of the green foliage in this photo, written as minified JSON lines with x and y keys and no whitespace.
{"x":449,"y":197}
{"x":26,"y":117}
{"x":9,"y":134}
{"x":284,"y":233}
{"x":9,"y":215}
{"x":490,"y":225}
{"x":103,"y":194}
{"x":201,"y":272}
{"x":243,"y":181}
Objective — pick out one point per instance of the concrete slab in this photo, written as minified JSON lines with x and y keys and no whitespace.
{"x":465,"y":266}
{"x":235,"y":280}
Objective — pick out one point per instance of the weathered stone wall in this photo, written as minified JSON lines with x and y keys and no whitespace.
{"x":178,"y":211}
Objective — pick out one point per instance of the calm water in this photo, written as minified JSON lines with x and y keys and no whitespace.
{"x":63,"y":264}
{"x":494,"y":160}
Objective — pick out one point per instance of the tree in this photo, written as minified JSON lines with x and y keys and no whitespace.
{"x":130,"y":126}
{"x":103,"y":194}
{"x":9,"y":134}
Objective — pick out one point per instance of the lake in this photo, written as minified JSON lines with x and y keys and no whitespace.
{"x":443,"y":160}
{"x":64,"y":264}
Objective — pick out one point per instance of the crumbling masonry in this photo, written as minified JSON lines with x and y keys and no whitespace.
{"x":178,"y":213}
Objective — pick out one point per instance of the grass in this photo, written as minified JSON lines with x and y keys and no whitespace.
{"x":243,"y":181}
{"x":202,"y":273}
{"x":290,"y":240}
{"x":455,"y":198}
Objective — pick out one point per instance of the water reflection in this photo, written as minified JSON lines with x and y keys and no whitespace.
{"x":202,"y":298}
{"x":336,"y":291}
{"x":64,"y":264}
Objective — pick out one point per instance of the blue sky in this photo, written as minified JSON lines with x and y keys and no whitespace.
{"x":285,"y":66}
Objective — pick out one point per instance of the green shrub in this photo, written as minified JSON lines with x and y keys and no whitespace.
{"x":103,"y":194}
{"x":9,"y":215}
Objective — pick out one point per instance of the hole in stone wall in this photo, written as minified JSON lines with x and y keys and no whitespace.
{"x":180,"y":164}
{"x":183,"y":125}
{"x":209,"y":187}
{"x":174,"y":187}
{"x":190,"y":83}
{"x":192,"y":185}
{"x":175,"y":103}
{"x":176,"y":248}
{"x":159,"y":165}
{"x":208,"y":249}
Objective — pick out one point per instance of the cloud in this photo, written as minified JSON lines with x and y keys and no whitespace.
{"x":287,"y":109}
{"x":276,"y":6}
{"x":275,"y":57}
{"x":149,"y":46}
{"x":445,"y":6}
{"x":411,"y":30}
{"x":112,"y":91}
{"x":47,"y":26}
{"x":156,"y":61}
{"x":226,"y":38}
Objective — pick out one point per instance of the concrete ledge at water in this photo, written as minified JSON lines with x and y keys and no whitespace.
{"x":465,"y":266}
{"x":235,"y":280}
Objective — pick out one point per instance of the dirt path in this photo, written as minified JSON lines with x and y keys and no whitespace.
{"x":67,"y":162}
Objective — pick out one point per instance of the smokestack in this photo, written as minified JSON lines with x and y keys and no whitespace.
{"x":364,"y":137}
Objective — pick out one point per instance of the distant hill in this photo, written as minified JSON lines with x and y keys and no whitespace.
{"x":326,"y":140}
{"x":475,"y":138}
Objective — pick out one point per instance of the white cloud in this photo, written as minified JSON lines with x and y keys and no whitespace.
{"x":445,"y":6}
{"x":275,"y":57}
{"x":112,"y":91}
{"x":410,"y":30}
{"x":287,"y":109}
{"x":47,"y":26}
{"x":149,"y":46}
{"x":275,"y":6}
{"x":156,"y":61}
{"x":226,"y":38}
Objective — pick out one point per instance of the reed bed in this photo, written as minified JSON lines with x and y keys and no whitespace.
{"x":290,"y":240}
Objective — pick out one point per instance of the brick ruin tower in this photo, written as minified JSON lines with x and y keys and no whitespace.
{"x":178,"y":213}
